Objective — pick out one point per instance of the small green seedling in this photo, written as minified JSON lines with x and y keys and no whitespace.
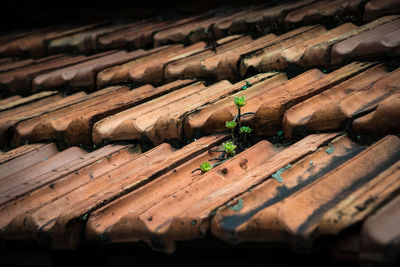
{"x":229,"y":148}
{"x":239,"y":101}
{"x":230,"y":124}
{"x":244,"y":87}
{"x":245,"y":129}
{"x":204,"y":167}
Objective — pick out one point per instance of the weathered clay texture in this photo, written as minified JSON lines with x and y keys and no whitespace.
{"x":381,"y":41}
{"x":378,"y":8}
{"x":17,"y":152}
{"x":320,"y":112}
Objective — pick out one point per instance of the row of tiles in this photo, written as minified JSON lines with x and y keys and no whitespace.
{"x":159,"y":31}
{"x":362,"y":97}
{"x":324,"y":185}
{"x":234,"y":56}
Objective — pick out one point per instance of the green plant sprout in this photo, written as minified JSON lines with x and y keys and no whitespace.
{"x":231,"y":125}
{"x":245,"y":129}
{"x":229,"y":148}
{"x":204,"y":167}
{"x":244,"y":87}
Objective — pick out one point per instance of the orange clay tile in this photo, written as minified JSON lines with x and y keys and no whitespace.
{"x":6,"y":101}
{"x":345,"y":107}
{"x":35,"y":44}
{"x":84,"y":41}
{"x":268,"y":117}
{"x":212,"y":117}
{"x":162,"y":119}
{"x":362,"y":202}
{"x":61,"y":219}
{"x":380,"y":235}
{"x":51,"y":124}
{"x":384,"y":120}
{"x":320,"y":10}
{"x":230,"y":224}
{"x":28,"y":179}
{"x":15,"y":64}
{"x":83,"y":75}
{"x":185,"y":213}
{"x":259,"y":17}
{"x":19,"y":151}
{"x":171,"y":125}
{"x":295,"y":219}
{"x":24,"y":157}
{"x":377,"y":8}
{"x":147,"y":69}
{"x":140,"y":35}
{"x":373,"y":44}
{"x":22,"y":101}
{"x":261,"y":59}
{"x":225,"y":65}
{"x":190,"y":65}
{"x":109,"y":159}
{"x":121,"y":126}
{"x":319,"y":53}
{"x":301,"y":118}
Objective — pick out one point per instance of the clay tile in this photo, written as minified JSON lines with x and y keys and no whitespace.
{"x":378,"y":8}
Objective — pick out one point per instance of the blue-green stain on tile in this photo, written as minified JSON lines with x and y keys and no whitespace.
{"x":238,"y":206}
{"x":278,"y":174}
{"x":311,"y":162}
{"x":330,"y":149}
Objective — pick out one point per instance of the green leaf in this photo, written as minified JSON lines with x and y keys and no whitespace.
{"x":239,"y":101}
{"x":205,"y":166}
{"x":245,"y":129}
{"x":230,"y":124}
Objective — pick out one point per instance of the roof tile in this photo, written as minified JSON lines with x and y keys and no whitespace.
{"x":378,"y":8}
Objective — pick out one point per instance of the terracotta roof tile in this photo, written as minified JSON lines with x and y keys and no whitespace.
{"x":146,"y":69}
{"x":321,"y":112}
{"x":73,"y":124}
{"x":384,"y":120}
{"x":380,"y":235}
{"x":19,"y":151}
{"x":58,"y":217}
{"x":321,"y":10}
{"x":277,"y":223}
{"x":6,"y":101}
{"x":14,"y":64}
{"x":375,"y":43}
{"x":378,"y":8}
{"x":112,"y":158}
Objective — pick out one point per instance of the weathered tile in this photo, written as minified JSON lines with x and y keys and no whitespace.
{"x":21,"y":101}
{"x":61,"y":219}
{"x":373,"y":44}
{"x":24,"y":157}
{"x":190,"y":66}
{"x":282,"y":221}
{"x":73,"y":124}
{"x":15,"y":64}
{"x":378,"y":8}
{"x":83,"y":75}
{"x":185,"y":213}
{"x":363,"y":202}
{"x":84,"y":41}
{"x":28,"y":179}
{"x":231,"y":224}
{"x":384,"y":120}
{"x":147,"y":69}
{"x":262,"y":59}
{"x":320,"y":10}
{"x":211,"y":118}
{"x":113,"y":158}
{"x":10,"y":99}
{"x":268,"y":117}
{"x":9,"y":118}
{"x":380,"y":235}
{"x":300,"y":118}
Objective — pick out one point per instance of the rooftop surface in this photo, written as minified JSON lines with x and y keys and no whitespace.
{"x":114,"y":138}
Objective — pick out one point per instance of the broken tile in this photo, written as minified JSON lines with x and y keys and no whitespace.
{"x":377,"y":8}
{"x":383,"y":120}
{"x":114,"y":157}
{"x":300,"y":119}
{"x":373,"y":44}
{"x":83,"y":75}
